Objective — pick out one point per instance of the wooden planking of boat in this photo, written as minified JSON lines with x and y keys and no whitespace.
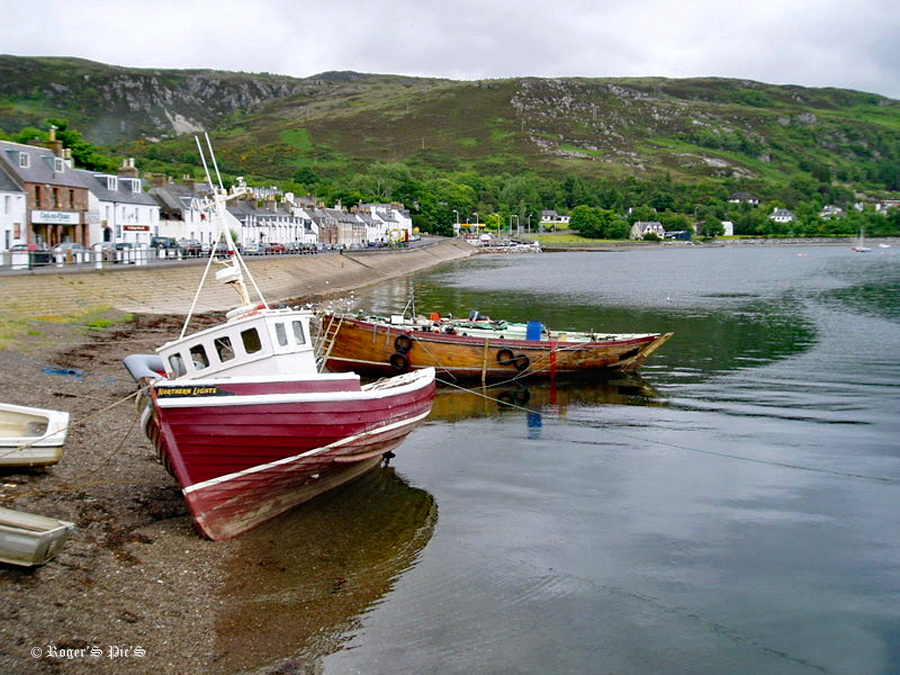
{"x":477,"y":347}
{"x":31,"y":436}
{"x":27,"y":539}
{"x":242,"y":417}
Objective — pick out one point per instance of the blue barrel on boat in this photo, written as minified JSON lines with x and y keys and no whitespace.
{"x":533,"y":330}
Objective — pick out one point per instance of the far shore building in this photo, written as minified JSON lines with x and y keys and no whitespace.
{"x":781,"y":216}
{"x":743,"y":198}
{"x":550,"y":219}
{"x":642,"y":228}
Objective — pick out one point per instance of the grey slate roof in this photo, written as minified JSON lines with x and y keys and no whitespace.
{"x":7,"y":184}
{"x":41,"y":166}
{"x":123,"y":195}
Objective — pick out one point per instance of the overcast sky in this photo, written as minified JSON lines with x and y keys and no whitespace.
{"x":816,"y":43}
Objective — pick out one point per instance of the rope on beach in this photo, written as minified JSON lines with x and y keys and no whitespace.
{"x":80,"y":422}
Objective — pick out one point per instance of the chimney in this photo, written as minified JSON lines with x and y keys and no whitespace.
{"x":127,"y":169}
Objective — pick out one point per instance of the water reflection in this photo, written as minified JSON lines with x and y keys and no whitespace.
{"x":717,"y":330}
{"x":302,"y":581}
{"x":531,"y":399}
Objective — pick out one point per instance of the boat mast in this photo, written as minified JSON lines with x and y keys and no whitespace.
{"x":235,"y":271}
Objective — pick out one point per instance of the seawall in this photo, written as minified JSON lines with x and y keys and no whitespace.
{"x":170,"y":287}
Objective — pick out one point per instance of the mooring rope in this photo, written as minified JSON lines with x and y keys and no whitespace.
{"x":677,"y":446}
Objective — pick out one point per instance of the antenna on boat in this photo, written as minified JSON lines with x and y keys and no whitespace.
{"x":235,"y":271}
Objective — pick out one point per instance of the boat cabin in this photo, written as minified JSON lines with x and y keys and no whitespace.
{"x":279,"y":337}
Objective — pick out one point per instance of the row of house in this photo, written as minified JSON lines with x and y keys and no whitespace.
{"x":45,"y":200}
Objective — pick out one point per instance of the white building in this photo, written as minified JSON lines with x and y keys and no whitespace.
{"x":781,"y":216}
{"x":181,"y":213}
{"x":641,"y":228}
{"x":12,"y":213}
{"x":118,"y":208}
{"x":385,"y":223}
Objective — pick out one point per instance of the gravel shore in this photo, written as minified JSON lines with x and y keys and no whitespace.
{"x":134,"y":575}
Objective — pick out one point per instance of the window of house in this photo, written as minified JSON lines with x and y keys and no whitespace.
{"x":224,"y":348}
{"x":37,"y":196}
{"x":56,"y":197}
{"x":250,"y":340}
{"x":24,"y":160}
{"x":58,"y":164}
{"x":199,"y":357}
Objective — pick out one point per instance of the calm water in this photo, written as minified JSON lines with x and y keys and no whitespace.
{"x":736,"y":509}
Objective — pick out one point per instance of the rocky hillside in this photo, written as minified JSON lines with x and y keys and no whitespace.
{"x":277,"y":126}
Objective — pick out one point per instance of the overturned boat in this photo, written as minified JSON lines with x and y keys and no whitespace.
{"x":28,"y":539}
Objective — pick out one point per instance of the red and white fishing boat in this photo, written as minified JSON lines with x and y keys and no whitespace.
{"x":242,"y":417}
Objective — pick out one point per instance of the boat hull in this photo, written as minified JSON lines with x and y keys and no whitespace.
{"x":31,"y":436}
{"x":378,"y":349}
{"x":244,"y":451}
{"x":27,"y":539}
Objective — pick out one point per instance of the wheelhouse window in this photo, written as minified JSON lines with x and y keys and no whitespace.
{"x":199,"y":357}
{"x":299,"y":336}
{"x":281,"y":335}
{"x":176,"y":365}
{"x":224,"y":348}
{"x":250,"y":340}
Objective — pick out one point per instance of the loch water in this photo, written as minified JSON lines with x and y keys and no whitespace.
{"x":734,"y":508}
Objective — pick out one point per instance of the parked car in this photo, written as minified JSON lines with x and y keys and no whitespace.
{"x":299,"y":247}
{"x":222,"y":249}
{"x":190,"y":247}
{"x":72,"y":246}
{"x":38,"y":254}
{"x":252,"y":249}
{"x":163,"y":242}
{"x":105,"y":251}
{"x":274,"y":247}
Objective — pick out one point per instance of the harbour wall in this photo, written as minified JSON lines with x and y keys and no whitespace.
{"x":170,"y":287}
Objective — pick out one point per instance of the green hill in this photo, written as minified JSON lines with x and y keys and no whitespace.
{"x":334,"y":127}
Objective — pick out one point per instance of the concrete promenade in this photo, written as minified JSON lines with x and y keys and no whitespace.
{"x":169,"y":288}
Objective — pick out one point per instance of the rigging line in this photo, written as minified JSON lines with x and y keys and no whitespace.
{"x":726,"y":455}
{"x":73,"y":483}
{"x":489,"y":398}
{"x":677,"y":446}
{"x":81,"y":421}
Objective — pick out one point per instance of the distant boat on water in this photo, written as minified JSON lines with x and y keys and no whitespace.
{"x":860,"y":246}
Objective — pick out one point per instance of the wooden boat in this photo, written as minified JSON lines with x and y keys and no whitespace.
{"x":477,"y":347}
{"x":31,"y":436}
{"x":27,"y":539}
{"x":244,"y":420}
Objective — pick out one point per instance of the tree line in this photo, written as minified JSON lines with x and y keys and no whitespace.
{"x":599,"y":207}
